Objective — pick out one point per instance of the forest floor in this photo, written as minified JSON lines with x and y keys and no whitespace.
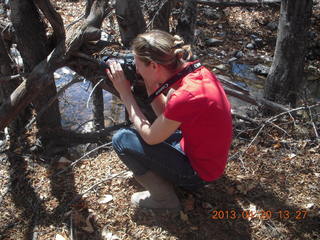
{"x":270,"y":189}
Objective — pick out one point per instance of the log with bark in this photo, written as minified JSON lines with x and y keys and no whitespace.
{"x":241,"y":3}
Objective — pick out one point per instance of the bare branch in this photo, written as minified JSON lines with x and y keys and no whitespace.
{"x":8,"y":78}
{"x":53,"y":17}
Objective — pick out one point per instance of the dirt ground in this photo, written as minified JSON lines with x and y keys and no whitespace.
{"x":270,"y":189}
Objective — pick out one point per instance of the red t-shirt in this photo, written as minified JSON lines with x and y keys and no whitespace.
{"x":200,"y":104}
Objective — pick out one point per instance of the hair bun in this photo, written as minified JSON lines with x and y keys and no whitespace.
{"x":178,"y":41}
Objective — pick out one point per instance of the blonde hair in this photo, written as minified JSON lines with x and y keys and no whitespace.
{"x":161,"y":47}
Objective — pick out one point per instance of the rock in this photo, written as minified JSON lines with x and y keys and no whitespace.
{"x":201,"y":24}
{"x":258,"y":42}
{"x":238,"y":54}
{"x":221,"y":67}
{"x":250,"y":46}
{"x":213,"y":42}
{"x":272,"y":25}
{"x":266,"y":58}
{"x":253,"y":36}
{"x":221,"y":34}
{"x":261,"y":69}
{"x":232,"y":59}
{"x":312,"y":35}
{"x":212,"y":14}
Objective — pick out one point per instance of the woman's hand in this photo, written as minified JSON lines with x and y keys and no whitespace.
{"x":117,"y":77}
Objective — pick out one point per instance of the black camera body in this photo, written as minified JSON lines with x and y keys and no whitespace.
{"x":127,"y":63}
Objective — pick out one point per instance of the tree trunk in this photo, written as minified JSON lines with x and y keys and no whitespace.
{"x":160,"y":17}
{"x":32,"y":44}
{"x":98,"y":108}
{"x":130,"y":20}
{"x":187,"y":21}
{"x":286,"y":73}
{"x":7,"y":87}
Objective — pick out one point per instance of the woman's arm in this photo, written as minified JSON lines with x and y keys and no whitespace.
{"x":162,"y":127}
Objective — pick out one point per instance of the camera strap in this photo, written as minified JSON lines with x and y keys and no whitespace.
{"x":175,"y":78}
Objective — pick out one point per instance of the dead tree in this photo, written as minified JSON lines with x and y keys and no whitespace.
{"x":160,"y":13}
{"x":286,"y":73}
{"x":187,"y":21}
{"x":10,"y":78}
{"x":34,"y":46}
{"x":130,"y":20}
{"x":98,"y":108}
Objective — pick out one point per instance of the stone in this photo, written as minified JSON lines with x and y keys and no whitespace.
{"x":250,"y":46}
{"x":261,"y":69}
{"x":232,"y":59}
{"x":239,"y":54}
{"x":221,"y":67}
{"x":212,"y":14}
{"x":258,"y":42}
{"x":201,"y":24}
{"x":213,"y":42}
{"x":272,"y":25}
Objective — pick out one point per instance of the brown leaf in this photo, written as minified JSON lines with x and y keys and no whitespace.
{"x":188,"y":204}
{"x":184,"y":217}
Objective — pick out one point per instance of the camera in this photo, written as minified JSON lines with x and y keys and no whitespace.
{"x":127,"y":64}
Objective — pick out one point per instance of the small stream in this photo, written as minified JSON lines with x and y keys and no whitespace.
{"x":76,"y":111}
{"x":76,"y":115}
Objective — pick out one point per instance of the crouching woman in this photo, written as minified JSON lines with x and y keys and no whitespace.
{"x":188,"y":143}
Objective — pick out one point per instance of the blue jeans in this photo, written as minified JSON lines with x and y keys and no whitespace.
{"x":166,"y":159}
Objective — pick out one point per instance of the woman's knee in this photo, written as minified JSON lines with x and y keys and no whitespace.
{"x":122,"y":139}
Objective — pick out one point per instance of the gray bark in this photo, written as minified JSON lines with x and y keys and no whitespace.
{"x":160,"y":17}
{"x":98,"y":109}
{"x":32,"y":42}
{"x":286,"y":74}
{"x":241,"y":3}
{"x":187,"y":21}
{"x":130,"y":20}
{"x":36,"y":81}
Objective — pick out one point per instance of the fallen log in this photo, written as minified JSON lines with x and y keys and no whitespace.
{"x":275,"y":107}
{"x":235,"y":3}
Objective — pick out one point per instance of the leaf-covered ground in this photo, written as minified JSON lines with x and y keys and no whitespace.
{"x":270,"y":189}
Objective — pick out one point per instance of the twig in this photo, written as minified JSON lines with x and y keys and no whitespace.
{"x":252,"y":141}
{"x":157,"y":13}
{"x":8,"y":78}
{"x":71,"y":228}
{"x":102,"y":181}
{"x":313,"y":124}
{"x":292,"y":110}
{"x":95,"y":86}
{"x":86,"y":154}
{"x":276,"y":126}
{"x":245,"y":118}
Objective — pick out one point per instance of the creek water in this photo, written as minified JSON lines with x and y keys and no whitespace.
{"x":76,"y":106}
{"x":76,"y":109}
